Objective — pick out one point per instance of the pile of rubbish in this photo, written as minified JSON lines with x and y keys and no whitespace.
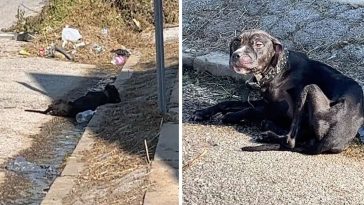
{"x":72,"y":42}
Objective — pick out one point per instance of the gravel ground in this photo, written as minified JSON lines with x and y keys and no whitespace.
{"x":215,"y":171}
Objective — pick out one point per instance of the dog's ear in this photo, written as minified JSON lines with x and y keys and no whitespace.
{"x":277,"y":45}
{"x":234,"y":43}
{"x":278,"y":48}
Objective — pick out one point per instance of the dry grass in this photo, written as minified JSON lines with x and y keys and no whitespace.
{"x":197,"y":35}
{"x":355,"y":150}
{"x":207,"y":90}
{"x":194,"y":160}
{"x":142,"y":10}
{"x":90,"y":17}
{"x":14,"y":187}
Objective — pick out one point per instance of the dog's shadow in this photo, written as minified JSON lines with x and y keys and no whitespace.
{"x":253,"y":130}
{"x":250,"y":129}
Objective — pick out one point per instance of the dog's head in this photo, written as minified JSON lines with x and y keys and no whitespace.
{"x":254,"y":51}
{"x":112,"y":93}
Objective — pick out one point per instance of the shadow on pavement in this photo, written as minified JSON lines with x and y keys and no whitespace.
{"x":54,"y":86}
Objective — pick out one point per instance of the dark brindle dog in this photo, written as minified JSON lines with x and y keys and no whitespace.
{"x":88,"y":102}
{"x":307,"y":106}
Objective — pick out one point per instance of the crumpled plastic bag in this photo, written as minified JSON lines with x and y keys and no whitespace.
{"x":118,"y":60}
{"x":71,"y":34}
{"x":120,"y":57}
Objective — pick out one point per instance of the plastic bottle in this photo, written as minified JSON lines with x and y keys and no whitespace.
{"x":84,"y":116}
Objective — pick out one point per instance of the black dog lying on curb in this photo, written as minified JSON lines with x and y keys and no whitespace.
{"x":307,"y":106}
{"x":88,"y":102}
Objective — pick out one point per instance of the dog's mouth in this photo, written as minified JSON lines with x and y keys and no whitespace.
{"x":243,"y":65}
{"x":241,"y":70}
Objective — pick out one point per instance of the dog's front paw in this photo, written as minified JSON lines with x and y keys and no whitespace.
{"x":269,"y":137}
{"x":263,"y":137}
{"x":231,"y":118}
{"x":200,"y":115}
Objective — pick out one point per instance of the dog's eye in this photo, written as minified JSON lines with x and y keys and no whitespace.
{"x":259,"y":44}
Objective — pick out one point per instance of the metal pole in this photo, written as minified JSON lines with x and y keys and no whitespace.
{"x":158,"y":21}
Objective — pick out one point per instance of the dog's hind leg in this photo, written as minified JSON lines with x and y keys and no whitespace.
{"x":224,"y":107}
{"x":318,"y":106}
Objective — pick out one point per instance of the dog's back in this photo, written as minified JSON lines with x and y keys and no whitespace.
{"x":88,"y":102}
{"x":94,"y":99}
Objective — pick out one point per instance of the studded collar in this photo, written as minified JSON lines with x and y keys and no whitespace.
{"x":260,"y":80}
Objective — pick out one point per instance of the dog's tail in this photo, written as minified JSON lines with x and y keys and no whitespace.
{"x":39,"y":111}
{"x":277,"y":147}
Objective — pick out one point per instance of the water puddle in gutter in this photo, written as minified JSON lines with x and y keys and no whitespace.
{"x":40,"y":171}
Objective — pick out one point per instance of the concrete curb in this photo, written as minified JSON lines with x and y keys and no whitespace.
{"x":9,"y":36}
{"x":216,"y":63}
{"x":170,"y":35}
{"x":63,"y":184}
{"x":174,"y":100}
{"x":165,"y":166}
{"x":164,"y":171}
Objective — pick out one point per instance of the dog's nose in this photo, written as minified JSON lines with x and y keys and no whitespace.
{"x":235,"y":56}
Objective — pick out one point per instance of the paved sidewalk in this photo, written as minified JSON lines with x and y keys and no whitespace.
{"x":164,"y":172}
